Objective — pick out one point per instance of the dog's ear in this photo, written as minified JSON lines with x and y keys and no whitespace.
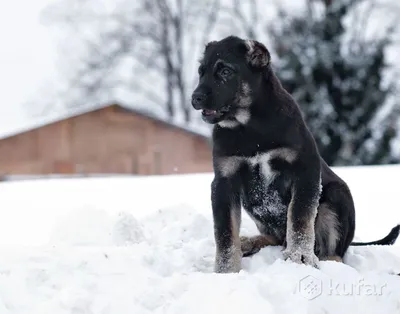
{"x":257,"y":54}
{"x":209,"y":44}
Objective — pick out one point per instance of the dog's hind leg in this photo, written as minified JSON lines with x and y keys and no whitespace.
{"x":327,"y":233}
{"x":252,"y":245}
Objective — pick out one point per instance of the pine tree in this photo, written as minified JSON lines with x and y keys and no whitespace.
{"x":337,"y":82}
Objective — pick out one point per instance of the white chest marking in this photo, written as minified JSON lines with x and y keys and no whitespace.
{"x":227,"y":166}
{"x":271,"y":200}
{"x":263,"y":161}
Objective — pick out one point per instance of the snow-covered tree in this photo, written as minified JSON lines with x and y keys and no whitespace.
{"x":337,"y":74}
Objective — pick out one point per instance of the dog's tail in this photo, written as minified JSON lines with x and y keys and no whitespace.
{"x":388,"y":240}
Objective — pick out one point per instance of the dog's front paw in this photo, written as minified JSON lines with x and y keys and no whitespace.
{"x":300,"y":256}
{"x":230,"y":262}
{"x":226,"y":268}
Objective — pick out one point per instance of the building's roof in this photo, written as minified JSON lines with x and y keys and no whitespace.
{"x":50,"y":119}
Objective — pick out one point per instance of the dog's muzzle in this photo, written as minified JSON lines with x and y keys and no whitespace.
{"x":198,"y":100}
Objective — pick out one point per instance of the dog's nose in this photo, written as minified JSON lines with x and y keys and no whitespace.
{"x":198,"y":100}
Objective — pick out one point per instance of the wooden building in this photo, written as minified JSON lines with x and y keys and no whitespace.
{"x":106,"y":140}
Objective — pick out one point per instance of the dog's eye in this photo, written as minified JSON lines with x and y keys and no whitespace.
{"x":225,"y":72}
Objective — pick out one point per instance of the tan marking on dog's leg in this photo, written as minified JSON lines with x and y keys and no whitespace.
{"x":327,"y":230}
{"x":256,"y":243}
{"x":332,"y":258}
{"x":231,"y":259}
{"x":300,"y":243}
{"x":228,"y":252}
{"x":237,"y":251}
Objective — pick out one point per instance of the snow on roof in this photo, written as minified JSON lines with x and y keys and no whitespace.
{"x":56,"y":117}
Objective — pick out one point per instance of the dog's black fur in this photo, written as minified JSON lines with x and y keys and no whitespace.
{"x":266,"y":160}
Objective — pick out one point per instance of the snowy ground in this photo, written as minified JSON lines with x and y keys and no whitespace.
{"x":145,"y":245}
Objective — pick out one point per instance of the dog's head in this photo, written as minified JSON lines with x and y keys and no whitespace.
{"x":230,"y":74}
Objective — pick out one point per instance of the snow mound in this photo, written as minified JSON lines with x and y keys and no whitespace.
{"x":94,"y":227}
{"x":163,"y":263}
{"x":102,"y":251}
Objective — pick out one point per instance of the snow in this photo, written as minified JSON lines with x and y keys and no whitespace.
{"x":145,"y":245}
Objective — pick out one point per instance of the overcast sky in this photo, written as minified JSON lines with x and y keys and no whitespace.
{"x":26,"y":49}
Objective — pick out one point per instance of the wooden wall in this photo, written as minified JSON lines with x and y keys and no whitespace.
{"x":108,"y":140}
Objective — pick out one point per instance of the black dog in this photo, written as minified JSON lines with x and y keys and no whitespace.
{"x":266,"y":160}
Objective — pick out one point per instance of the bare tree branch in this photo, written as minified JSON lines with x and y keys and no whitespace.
{"x":155,"y":34}
{"x":211,"y":21}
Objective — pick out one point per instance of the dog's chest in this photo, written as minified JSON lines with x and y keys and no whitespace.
{"x":264,"y":194}
{"x":265,"y":187}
